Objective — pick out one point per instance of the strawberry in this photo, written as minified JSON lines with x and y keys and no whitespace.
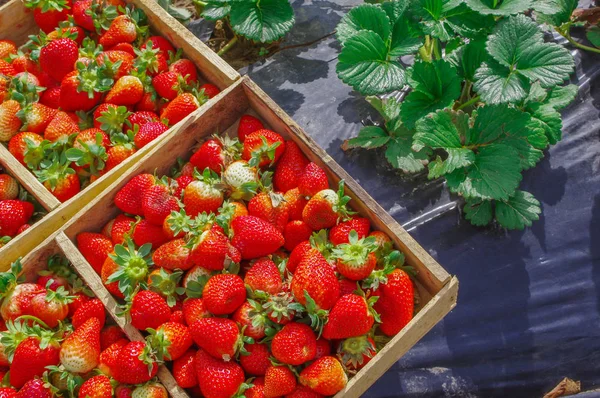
{"x":181,"y":107}
{"x":248,"y":125}
{"x":323,"y":348}
{"x":167,"y":84}
{"x":7,"y":47}
{"x":294,"y":344}
{"x":111,"y":118}
{"x":111,"y":57}
{"x":326,"y":376}
{"x":279,"y":380}
{"x":22,"y":62}
{"x":60,"y":180}
{"x":264,"y":276}
{"x":123,"y":392}
{"x":185,"y":68}
{"x":242,"y":179}
{"x":35,"y":388}
{"x":129,"y":198}
{"x":325,"y":208}
{"x":151,"y":60}
{"x":80,"y":14}
{"x":303,"y":392}
{"x":91,"y":309}
{"x":27,"y":149}
{"x":289,"y":168}
{"x":350,"y":317}
{"x":158,"y":203}
{"x":202,"y":195}
{"x":7,"y":392}
{"x":10,"y":124}
{"x":32,"y":355}
{"x":270,"y":207}
{"x":128,"y":90}
{"x":224,"y":293}
{"x":173,"y":255}
{"x":396,"y":302}
{"x":110,"y":356}
{"x":212,"y":250}
{"x":356,"y":352}
{"x":257,"y":360}
{"x":110,"y":335}
{"x":142,"y":117}
{"x":9,"y":187}
{"x":216,"y":377}
{"x":160,"y":43}
{"x":60,"y":127}
{"x":347,"y":286}
{"x":356,"y":259}
{"x":314,"y":267}
{"x":82,"y":90}
{"x":148,"y":132}
{"x":194,"y":309}
{"x":209,"y":90}
{"x":36,"y":117}
{"x":6,"y":68}
{"x":16,"y":298}
{"x":219,"y":337}
{"x":122,"y":30}
{"x":294,"y":233}
{"x":57,"y":58}
{"x":13,"y":214}
{"x":178,"y":223}
{"x":152,"y":390}
{"x":215,"y":153}
{"x":75,"y":33}
{"x":148,"y":310}
{"x":257,"y":389}
{"x":381,"y":238}
{"x":252,"y":318}
{"x":312,"y":180}
{"x":171,"y":340}
{"x":80,"y":351}
{"x":184,"y":370}
{"x":94,"y":248}
{"x":264,"y":147}
{"x":51,"y":307}
{"x":149,"y":102}
{"x":89,"y":151}
{"x":121,"y":226}
{"x":295,"y":203}
{"x":135,"y":364}
{"x":254,"y":237}
{"x":108,"y":269}
{"x":341,"y":232}
{"x":96,"y":387}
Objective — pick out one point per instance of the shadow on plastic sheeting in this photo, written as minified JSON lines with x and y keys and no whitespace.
{"x":595,"y":246}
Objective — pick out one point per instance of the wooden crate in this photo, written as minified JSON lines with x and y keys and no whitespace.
{"x":58,"y":243}
{"x":16,"y":23}
{"x":437,"y":289}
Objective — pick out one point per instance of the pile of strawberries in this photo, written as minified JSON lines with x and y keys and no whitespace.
{"x":17,"y":208}
{"x":54,"y":340}
{"x":90,"y":90}
{"x":250,"y":274}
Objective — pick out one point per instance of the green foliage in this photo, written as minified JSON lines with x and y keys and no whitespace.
{"x":485,"y":91}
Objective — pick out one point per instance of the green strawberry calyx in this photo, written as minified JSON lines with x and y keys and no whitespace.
{"x":357,"y":251}
{"x":133,"y":266}
{"x":167,"y":285}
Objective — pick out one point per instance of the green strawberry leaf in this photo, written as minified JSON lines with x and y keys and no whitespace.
{"x":549,"y":120}
{"x":499,"y":7}
{"x":561,"y":96}
{"x":216,"y":10}
{"x":554,"y":12}
{"x":405,"y":38}
{"x":435,"y":86}
{"x":478,"y":212}
{"x":369,"y":137}
{"x":364,"y":64}
{"x":364,"y":17}
{"x":496,"y":84}
{"x":593,"y":35}
{"x":469,"y":58}
{"x":519,"y":211}
{"x":401,"y":156}
{"x":262,"y":21}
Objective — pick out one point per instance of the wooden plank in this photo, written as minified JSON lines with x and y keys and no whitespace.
{"x":16,"y":22}
{"x":422,"y":323}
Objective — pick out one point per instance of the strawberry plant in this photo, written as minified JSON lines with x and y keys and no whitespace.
{"x":484,"y":94}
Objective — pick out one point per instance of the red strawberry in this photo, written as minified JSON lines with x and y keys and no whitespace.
{"x":289,"y":168}
{"x":356,"y":259}
{"x":396,"y":302}
{"x":142,"y":117}
{"x":312,"y":180}
{"x":224,"y":293}
{"x":51,"y":97}
{"x":60,"y":127}
{"x":181,"y":107}
{"x":48,"y":14}
{"x":80,"y":351}
{"x":323,"y":348}
{"x":7,"y":392}
{"x":35,"y":117}
{"x":111,"y":57}
{"x":110,"y":335}
{"x":184,"y":370}
{"x":135,"y":364}
{"x":325,"y":208}
{"x":9,"y":187}
{"x":31,"y":357}
{"x":171,"y":340}
{"x":160,"y":43}
{"x":79,"y":91}
{"x":109,"y":357}
{"x":216,"y":377}
{"x":10,"y":124}
{"x":7,"y":47}
{"x":6,"y":68}
{"x":167,"y":84}
{"x":123,"y":392}
{"x":17,"y":299}
{"x":60,"y":180}
{"x":80,"y":14}
{"x":127,"y":47}
{"x":257,"y":389}
{"x":194,"y":309}
{"x":148,"y":133}
{"x":52,"y":306}
{"x":128,"y":90}
{"x":96,"y":387}
{"x":279,"y":380}
{"x":57,"y":58}
{"x":349,"y":317}
{"x":251,"y":316}
{"x":340,"y":233}
{"x":326,"y":376}
{"x":215,"y":153}
{"x":185,"y":68}
{"x":296,"y":232}
{"x":303,"y":392}
{"x":202,"y":195}
{"x":122,"y":30}
{"x":35,"y":388}
{"x":295,"y":203}
{"x":219,"y":337}
{"x":248,"y":125}
{"x":153,"y":390}
{"x":152,"y":61}
{"x":314,"y":267}
{"x":356,"y":352}
{"x":72,"y":32}
{"x":129,"y":198}
{"x":212,"y":250}
{"x":149,"y":310}
{"x":119,"y":153}
{"x":91,"y":309}
{"x":265,"y":146}
{"x":111,"y":118}
{"x":294,"y":344}
{"x":121,"y":226}
{"x":270,"y":207}
{"x":258,"y":359}
{"x":254,"y":237}
{"x":209,"y":90}
{"x":173,"y":255}
{"x":13,"y":214}
{"x":158,"y":203}
{"x":264,"y":276}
